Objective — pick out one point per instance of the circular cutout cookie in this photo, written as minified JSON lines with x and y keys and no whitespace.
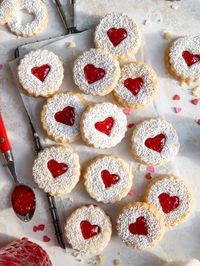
{"x":154,"y":141}
{"x":118,"y":34}
{"x":171,"y":197}
{"x":137,"y":85}
{"x":103,"y":125}
{"x":40,"y":73}
{"x":56,"y":170}
{"x":61,"y":116}
{"x":108,"y":178}
{"x":183,"y":58}
{"x":38,"y":9}
{"x":7,"y":9}
{"x":96,"y":72}
{"x":88,"y":229}
{"x":140,"y":225}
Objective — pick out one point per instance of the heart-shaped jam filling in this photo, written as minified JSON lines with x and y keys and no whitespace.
{"x":116,"y":36}
{"x":56,"y":168}
{"x":89,"y":230}
{"x":66,"y":116}
{"x":108,"y":178}
{"x":190,"y":59}
{"x":139,"y":227}
{"x":41,"y":72}
{"x":134,"y":85}
{"x":157,"y":143}
{"x":105,"y":126}
{"x":93,"y":74}
{"x":168,"y":203}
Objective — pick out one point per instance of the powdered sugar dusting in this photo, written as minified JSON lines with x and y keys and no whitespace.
{"x":100,"y":59}
{"x":56,"y":104}
{"x":7,"y":8}
{"x":31,"y":83}
{"x":94,"y":183}
{"x":38,"y":9}
{"x":95,"y":216}
{"x":149,"y":129}
{"x":118,"y":20}
{"x":148,"y":89}
{"x":174,"y":187}
{"x":65,"y":182}
{"x":99,"y":112}
{"x":129,"y":215}
{"x":191,"y":44}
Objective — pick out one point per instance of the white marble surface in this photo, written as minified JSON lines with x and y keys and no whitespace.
{"x":180,"y":243}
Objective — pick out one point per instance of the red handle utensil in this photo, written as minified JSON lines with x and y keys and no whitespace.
{"x":4,"y":142}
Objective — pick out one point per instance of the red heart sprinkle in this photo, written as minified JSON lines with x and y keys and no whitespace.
{"x":46,"y":239}
{"x":198,"y":121}
{"x":109,"y":179}
{"x":88,"y":230}
{"x":41,"y":72}
{"x":195,"y":101}
{"x":66,"y":116}
{"x":176,"y":97}
{"x":156,"y":143}
{"x":168,"y":203}
{"x":134,"y":85}
{"x":116,"y":36}
{"x":190,"y":58}
{"x":139,"y":227}
{"x":177,"y":109}
{"x":148,"y":176}
{"x":93,"y":74}
{"x":130,"y":125}
{"x":56,"y":168}
{"x":105,"y":126}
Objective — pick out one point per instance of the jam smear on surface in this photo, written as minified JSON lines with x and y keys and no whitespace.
{"x":156,"y":143}
{"x":139,"y":227}
{"x":168,"y":203}
{"x":89,"y":230}
{"x":134,"y":85}
{"x":93,"y":74}
{"x":66,"y":116}
{"x":109,"y":179}
{"x":56,"y":168}
{"x":41,"y":72}
{"x":116,"y":36}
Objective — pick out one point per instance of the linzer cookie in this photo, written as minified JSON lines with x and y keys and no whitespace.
{"x":96,"y":72}
{"x":171,"y":197}
{"x":183,"y":58}
{"x":56,"y":170}
{"x":40,"y":73}
{"x":118,"y":34}
{"x":154,"y":142}
{"x":61,"y":116}
{"x":38,"y":9}
{"x":137,"y":85}
{"x":103,"y":125}
{"x":88,"y":229}
{"x":108,"y":178}
{"x":7,"y":10}
{"x":140,"y":225}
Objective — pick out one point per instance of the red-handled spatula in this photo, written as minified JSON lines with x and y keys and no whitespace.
{"x":22,"y":198}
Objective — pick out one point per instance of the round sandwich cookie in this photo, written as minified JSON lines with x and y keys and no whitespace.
{"x":88,"y":229}
{"x":39,"y":11}
{"x":108,"y":178}
{"x":137,"y":85}
{"x":7,"y":10}
{"x":103,"y":125}
{"x":118,"y":34}
{"x":183,"y":58}
{"x":96,"y":72}
{"x":40,"y":73}
{"x":154,"y":142}
{"x":61,"y":116}
{"x":56,"y":170}
{"x":140,"y":225}
{"x":171,"y":197}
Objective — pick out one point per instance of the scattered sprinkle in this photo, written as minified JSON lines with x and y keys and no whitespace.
{"x":148,"y":176}
{"x":151,"y":169}
{"x":40,"y":227}
{"x":117,"y":262}
{"x":195,"y":101}
{"x":46,"y":239}
{"x":177,"y":109}
{"x":71,"y":45}
{"x":196,"y":91}
{"x":198,"y":121}
{"x":176,"y":97}
{"x":167,"y":36}
{"x":147,"y":22}
{"x":127,"y":111}
{"x":1,"y":66}
{"x":132,"y":192}
{"x":130,"y":125}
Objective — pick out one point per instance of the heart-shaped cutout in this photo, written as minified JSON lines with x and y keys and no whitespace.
{"x":168,"y":203}
{"x":139,"y":227}
{"x":134,"y":85}
{"x":41,"y":72}
{"x":56,"y":168}
{"x":190,"y":59}
{"x":109,"y":179}
{"x":116,"y":36}
{"x":105,"y":126}
{"x":89,"y":230}
{"x":93,"y":74}
{"x":156,"y":143}
{"x":66,"y":116}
